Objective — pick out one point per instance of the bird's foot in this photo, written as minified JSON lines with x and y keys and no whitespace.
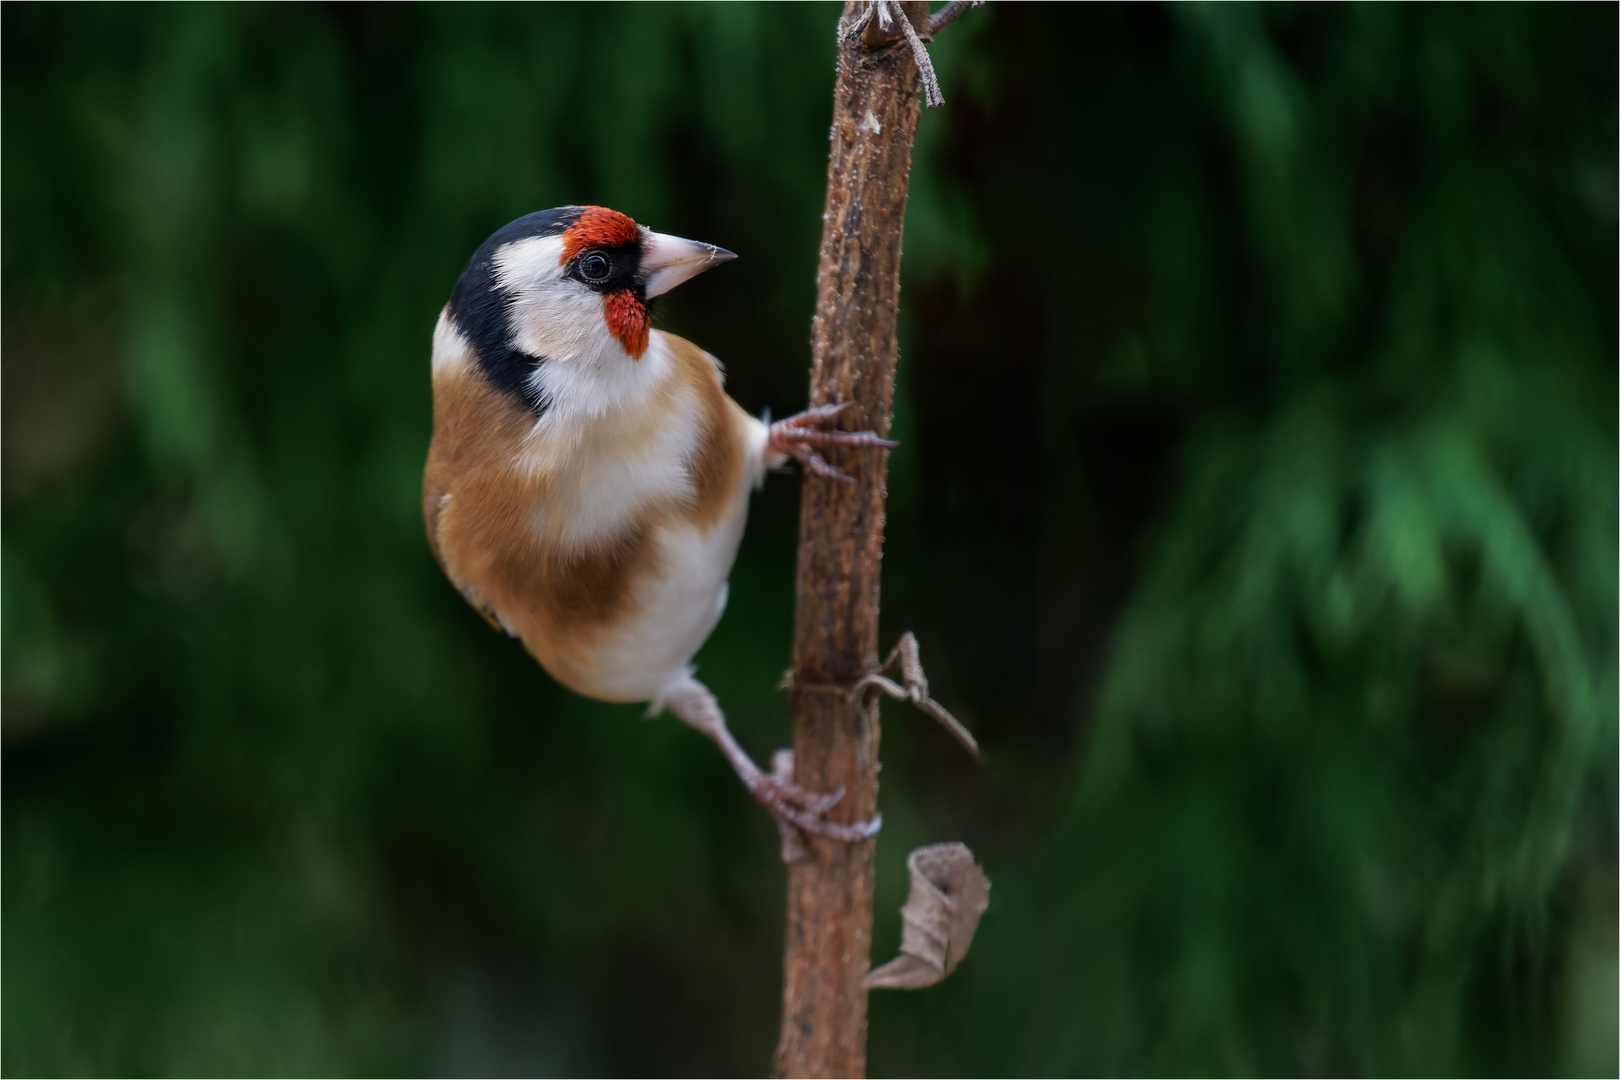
{"x":796,"y":808}
{"x":801,"y":435}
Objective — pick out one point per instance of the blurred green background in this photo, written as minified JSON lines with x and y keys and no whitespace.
{"x":1257,"y":507}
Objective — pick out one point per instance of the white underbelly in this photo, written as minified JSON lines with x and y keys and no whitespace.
{"x":676,"y":610}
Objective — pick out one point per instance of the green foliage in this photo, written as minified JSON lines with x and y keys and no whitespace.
{"x":1258,"y":508}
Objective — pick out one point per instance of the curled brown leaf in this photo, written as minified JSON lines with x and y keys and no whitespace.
{"x":949,"y":892}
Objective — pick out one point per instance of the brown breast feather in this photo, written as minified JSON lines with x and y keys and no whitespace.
{"x":478,"y":508}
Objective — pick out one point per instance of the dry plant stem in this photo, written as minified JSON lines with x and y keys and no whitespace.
{"x":949,"y":14}
{"x":853,"y":353}
{"x":905,"y":658}
{"x":888,"y":17}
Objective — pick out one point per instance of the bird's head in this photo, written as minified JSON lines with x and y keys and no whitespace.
{"x":574,"y":283}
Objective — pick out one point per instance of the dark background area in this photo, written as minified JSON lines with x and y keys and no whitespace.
{"x":1256,"y":507}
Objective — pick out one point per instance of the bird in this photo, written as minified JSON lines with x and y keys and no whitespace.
{"x":588,"y":478}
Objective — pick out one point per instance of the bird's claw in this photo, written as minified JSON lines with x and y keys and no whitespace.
{"x":807,"y":810}
{"x":818,"y":414}
{"x":792,"y":794}
{"x":799,"y":437}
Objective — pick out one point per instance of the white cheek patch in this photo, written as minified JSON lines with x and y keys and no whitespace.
{"x":525,"y":263}
{"x":559,"y":320}
{"x":550,"y":314}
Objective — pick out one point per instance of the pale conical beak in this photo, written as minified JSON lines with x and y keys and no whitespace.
{"x":666,"y":261}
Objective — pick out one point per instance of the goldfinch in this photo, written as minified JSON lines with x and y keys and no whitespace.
{"x":588,"y":479}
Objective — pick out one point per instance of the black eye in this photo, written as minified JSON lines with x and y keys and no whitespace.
{"x":595,"y":267}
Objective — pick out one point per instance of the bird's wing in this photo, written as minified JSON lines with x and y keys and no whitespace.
{"x":434,"y":502}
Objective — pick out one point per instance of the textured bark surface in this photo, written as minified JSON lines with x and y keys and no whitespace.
{"x":853,"y":355}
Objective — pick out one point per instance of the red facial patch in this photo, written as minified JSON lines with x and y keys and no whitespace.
{"x":627,"y":320}
{"x":626,"y":315}
{"x":598,"y":227}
